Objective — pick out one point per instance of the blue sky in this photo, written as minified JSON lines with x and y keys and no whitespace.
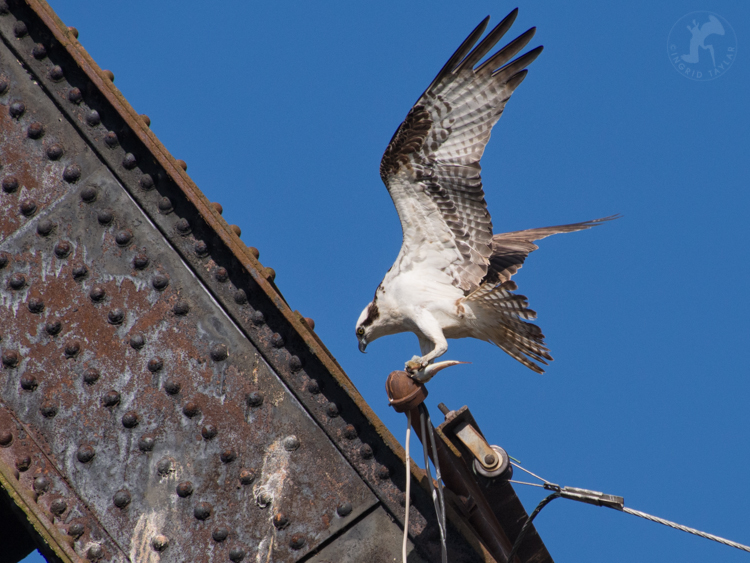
{"x":282,"y":111}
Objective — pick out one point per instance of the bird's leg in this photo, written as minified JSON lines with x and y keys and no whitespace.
{"x":432,"y":344}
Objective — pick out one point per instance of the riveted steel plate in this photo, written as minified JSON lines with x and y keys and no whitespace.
{"x":137,"y":391}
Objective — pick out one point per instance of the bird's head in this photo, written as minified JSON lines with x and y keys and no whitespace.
{"x":366,"y":326}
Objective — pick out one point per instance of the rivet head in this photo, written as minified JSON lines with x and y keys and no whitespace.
{"x":219,"y":352}
{"x":221,"y":275}
{"x":75,"y":96}
{"x":182,"y":226}
{"x":264,"y":498}
{"x":280,"y":520}
{"x":165,"y":205}
{"x":366,"y":451}
{"x":79,"y":272}
{"x":105,"y":217}
{"x":201,"y":248}
{"x":72,"y":173}
{"x":146,"y":443}
{"x":28,"y":207}
{"x":91,"y":376}
{"x":236,"y":230}
{"x":111,"y":399}
{"x":116,"y":316}
{"x":236,"y":554}
{"x":4,"y":259}
{"x":258,"y":318}
{"x":159,"y":543}
{"x":10,"y":184}
{"x":73,"y":31}
{"x":54,"y":151}
{"x":383,"y":472}
{"x":165,"y":466}
{"x":137,"y":341}
{"x":146,"y":119}
{"x":146,"y":182}
{"x":76,"y":530}
{"x":254,"y":399}
{"x":41,"y":484}
{"x":295,"y":364}
{"x":35,"y":305}
{"x":247,"y":476}
{"x":172,"y":387}
{"x":160,"y":282}
{"x":109,"y":74}
{"x":182,"y":164}
{"x":220,"y":534}
{"x":97,"y":294}
{"x":88,"y":194}
{"x":181,"y":308}
{"x":48,"y":410}
{"x":111,"y":140}
{"x":58,"y":506}
{"x":20,"y":29}
{"x":184,"y":489}
{"x":209,"y":432}
{"x":10,"y":358}
{"x":6,"y":438}
{"x":202,"y":511}
{"x":17,"y":281}
{"x":62,"y":249}
{"x":155,"y":364}
{"x":217,"y":206}
{"x":297,"y":541}
{"x":291,"y":443}
{"x":140,"y":261}
{"x":277,"y":340}
{"x":121,"y":498}
{"x":313,"y":387}
{"x":129,"y":162}
{"x":3,"y":82}
{"x":72,"y":349}
{"x":92,"y":118}
{"x":124,"y":237}
{"x":35,"y":130}
{"x":85,"y":454}
{"x":240,"y":297}
{"x":254,"y":251}
{"x":130,"y":419}
{"x":17,"y":109}
{"x":344,"y":509}
{"x":56,"y":73}
{"x":95,"y":552}
{"x":53,"y":327}
{"x":332,"y":410}
{"x":23,"y":463}
{"x":45,"y":227}
{"x":269,"y":274}
{"x":29,"y":382}
{"x":228,"y":455}
{"x":191,"y":409}
{"x":39,"y":51}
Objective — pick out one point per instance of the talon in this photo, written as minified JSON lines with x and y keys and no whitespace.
{"x":414,"y":365}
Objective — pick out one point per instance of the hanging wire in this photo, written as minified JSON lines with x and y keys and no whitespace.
{"x":425,"y":426}
{"x":408,"y":489}
{"x":527,"y":524}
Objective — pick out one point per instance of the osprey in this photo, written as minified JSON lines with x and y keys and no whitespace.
{"x":452,"y":277}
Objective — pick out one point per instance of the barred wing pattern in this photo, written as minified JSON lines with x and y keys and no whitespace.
{"x":431,"y":166}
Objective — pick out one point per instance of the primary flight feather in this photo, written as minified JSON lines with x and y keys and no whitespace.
{"x":451,"y":278}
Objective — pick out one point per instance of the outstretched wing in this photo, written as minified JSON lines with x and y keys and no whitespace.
{"x":431,"y":166}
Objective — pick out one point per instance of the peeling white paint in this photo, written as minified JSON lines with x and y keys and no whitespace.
{"x":148,"y":526}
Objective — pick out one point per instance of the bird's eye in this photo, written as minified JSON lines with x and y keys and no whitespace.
{"x":360,"y":331}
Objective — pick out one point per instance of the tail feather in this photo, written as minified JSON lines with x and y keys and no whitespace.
{"x":502,"y":317}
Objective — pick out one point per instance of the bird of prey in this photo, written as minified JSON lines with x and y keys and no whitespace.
{"x":452,"y":277}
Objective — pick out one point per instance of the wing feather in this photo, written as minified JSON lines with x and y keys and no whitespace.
{"x":431,"y":166}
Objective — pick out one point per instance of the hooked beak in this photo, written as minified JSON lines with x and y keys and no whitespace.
{"x":362,"y":345}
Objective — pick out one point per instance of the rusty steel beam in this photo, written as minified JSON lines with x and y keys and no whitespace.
{"x":158,"y":397}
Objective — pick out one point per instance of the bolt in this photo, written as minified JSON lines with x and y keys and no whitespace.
{"x":236,"y":554}
{"x":109,"y":74}
{"x":202,"y":511}
{"x":219,"y":352}
{"x":165,"y":206}
{"x":258,"y":318}
{"x":183,"y":226}
{"x":75,"y":96}
{"x":295,"y":364}
{"x":130,"y":419}
{"x":160,"y":282}
{"x":56,"y":73}
{"x":88,"y":194}
{"x":72,"y":173}
{"x":10,"y":184}
{"x":111,"y":140}
{"x":201,"y":248}
{"x":116,"y":316}
{"x":62,"y":249}
{"x":240,"y":297}
{"x":111,"y":399}
{"x":35,"y":305}
{"x":137,"y":341}
{"x":182,"y":164}
{"x":236,"y":230}
{"x":191,"y":410}
{"x":72,"y":349}
{"x":35,"y":130}
{"x":332,"y":410}
{"x":19,"y":29}
{"x":277,"y":340}
{"x":124,"y":237}
{"x":344,"y":509}
{"x":254,"y":251}
{"x":129,"y":162}
{"x":181,"y":308}
{"x":155,"y":364}
{"x":160,"y":542}
{"x":220,"y":534}
{"x":90,"y":376}
{"x":269,"y":274}
{"x":121,"y":498}
{"x":29,"y":382}
{"x":313,"y":387}
{"x":95,"y":552}
{"x":41,"y":484}
{"x":172,"y":387}
{"x":10,"y":358}
{"x":28,"y":207}
{"x":39,"y":52}
{"x":209,"y":432}
{"x":366,"y":451}
{"x":146,"y":119}
{"x":184,"y":489}
{"x":310,"y":323}
{"x":17,"y":281}
{"x":17,"y":109}
{"x":280,"y":520}
{"x":217,"y":206}
{"x":490,"y":459}
{"x":45,"y":227}
{"x":105,"y":217}
{"x":221,"y":275}
{"x":383,"y":472}
{"x":146,"y":443}
{"x":48,"y":410}
{"x":247,"y":476}
{"x":140,"y":261}
{"x":228,"y":456}
{"x":79,"y":272}
{"x":76,"y":530}
{"x":97,"y":293}
{"x":350,"y":433}
{"x":6,"y":438}
{"x":291,"y":443}
{"x":254,"y":399}
{"x":85,"y":454}
{"x":146,"y":182}
{"x":297,"y":541}
{"x":23,"y":463}
{"x":92,"y":118}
